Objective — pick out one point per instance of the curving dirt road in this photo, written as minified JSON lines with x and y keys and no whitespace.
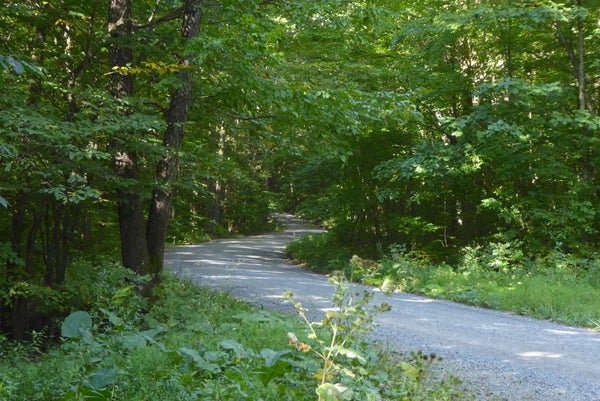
{"x":502,"y":355}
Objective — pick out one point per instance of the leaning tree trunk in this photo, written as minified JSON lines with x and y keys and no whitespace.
{"x":162,"y":195}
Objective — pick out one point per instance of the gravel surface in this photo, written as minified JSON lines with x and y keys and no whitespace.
{"x":503,"y":356}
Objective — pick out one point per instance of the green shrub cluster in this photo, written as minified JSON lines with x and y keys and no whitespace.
{"x":191,"y":343}
{"x":320,"y":252}
{"x":46,"y":306}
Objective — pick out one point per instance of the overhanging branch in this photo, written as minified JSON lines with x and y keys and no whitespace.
{"x":153,"y":23}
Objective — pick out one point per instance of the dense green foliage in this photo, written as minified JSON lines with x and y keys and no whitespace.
{"x":93,"y":145}
{"x":494,"y":155}
{"x":497,"y":142}
{"x":194,"y":344}
{"x":462,"y":135}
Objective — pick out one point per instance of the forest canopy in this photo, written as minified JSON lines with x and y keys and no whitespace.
{"x":431,"y":125}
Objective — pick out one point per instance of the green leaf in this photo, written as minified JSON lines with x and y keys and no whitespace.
{"x":334,"y":392}
{"x":8,"y":62}
{"x":135,"y":341}
{"x":150,"y":334}
{"x":102,"y":378}
{"x":271,"y":357}
{"x":352,"y":354}
{"x":274,"y":366}
{"x":4,"y":65}
{"x":113,"y":318}
{"x":410,"y":371}
{"x":199,"y":362}
{"x":17,"y":65}
{"x":76,"y":324}
{"x":234,"y":346}
{"x":192,"y":353}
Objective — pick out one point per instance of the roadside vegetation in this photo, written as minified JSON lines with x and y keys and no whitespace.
{"x":559,"y":287}
{"x":191,"y":343}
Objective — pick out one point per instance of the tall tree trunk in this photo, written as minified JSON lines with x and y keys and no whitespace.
{"x":162,"y":195}
{"x":577,"y":59}
{"x":214,"y":206}
{"x":56,"y":239}
{"x":134,"y":251}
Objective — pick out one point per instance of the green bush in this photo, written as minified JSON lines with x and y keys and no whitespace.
{"x":320,"y":252}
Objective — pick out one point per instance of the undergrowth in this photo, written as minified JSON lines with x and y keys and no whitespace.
{"x":558,"y":287}
{"x":320,"y":252}
{"x":194,"y":344}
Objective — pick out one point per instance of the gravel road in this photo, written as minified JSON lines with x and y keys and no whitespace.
{"x":503,"y":356}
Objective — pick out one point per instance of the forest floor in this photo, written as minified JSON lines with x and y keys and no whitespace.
{"x":498,"y":354}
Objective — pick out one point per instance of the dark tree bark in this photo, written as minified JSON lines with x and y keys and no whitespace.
{"x":120,"y":26}
{"x":143,"y":244}
{"x":177,"y":115}
{"x":134,"y":251}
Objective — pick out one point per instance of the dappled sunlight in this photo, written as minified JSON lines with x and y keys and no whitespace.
{"x":540,"y":354}
{"x":566,"y":332}
{"x":254,"y":277}
{"x":494,"y":326}
{"x":312,"y":300}
{"x":416,"y":300}
{"x":587,"y":333}
{"x":254,"y":266}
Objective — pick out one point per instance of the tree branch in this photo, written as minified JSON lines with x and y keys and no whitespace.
{"x":152,"y":23}
{"x":151,"y":18}
{"x":568,"y":48}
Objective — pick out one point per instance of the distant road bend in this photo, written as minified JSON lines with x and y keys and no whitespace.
{"x":509,"y":356}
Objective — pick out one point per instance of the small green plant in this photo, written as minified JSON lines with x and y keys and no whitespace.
{"x":92,"y":380}
{"x":351,"y":318}
{"x":416,"y":377}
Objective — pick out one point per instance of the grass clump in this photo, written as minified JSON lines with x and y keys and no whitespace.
{"x":193,"y":344}
{"x":558,"y":287}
